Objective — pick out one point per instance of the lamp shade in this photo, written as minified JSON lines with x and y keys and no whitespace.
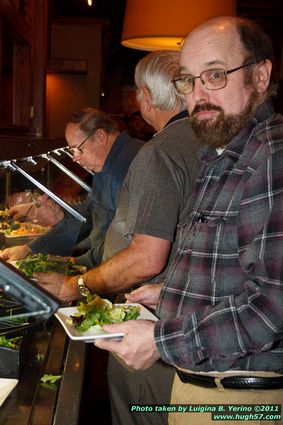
{"x":162,"y":24}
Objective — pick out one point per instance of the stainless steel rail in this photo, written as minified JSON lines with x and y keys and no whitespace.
{"x":67,"y":171}
{"x":14,"y":167}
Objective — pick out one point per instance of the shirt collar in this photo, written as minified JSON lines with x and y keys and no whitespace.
{"x":182,"y":114}
{"x":177,"y":117}
{"x":114,"y":151}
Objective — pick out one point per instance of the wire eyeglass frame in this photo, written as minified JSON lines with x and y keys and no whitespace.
{"x":204,"y":78}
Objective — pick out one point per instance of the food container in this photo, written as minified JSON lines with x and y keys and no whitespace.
{"x":10,"y":361}
{"x":25,"y":309}
{"x":2,"y":240}
{"x":19,"y":240}
{"x":25,"y":234}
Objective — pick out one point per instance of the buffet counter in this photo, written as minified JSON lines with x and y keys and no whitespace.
{"x":34,"y":168}
{"x":35,"y":403}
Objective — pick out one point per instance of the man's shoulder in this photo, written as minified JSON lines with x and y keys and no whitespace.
{"x":127,"y":140}
{"x":271,"y":131}
{"x":176,"y":141}
{"x":128,"y":146}
{"x":178,"y":130}
{"x":180,"y":126}
{"x":177,"y":136}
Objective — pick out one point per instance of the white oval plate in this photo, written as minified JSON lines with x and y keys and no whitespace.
{"x":63,"y":315}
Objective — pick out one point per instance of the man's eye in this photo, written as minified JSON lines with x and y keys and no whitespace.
{"x":215,"y":75}
{"x":189,"y":79}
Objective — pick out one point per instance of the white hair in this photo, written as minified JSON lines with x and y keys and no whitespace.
{"x":155,"y":72}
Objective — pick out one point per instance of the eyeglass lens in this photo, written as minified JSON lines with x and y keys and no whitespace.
{"x":76,"y":150}
{"x":212,"y":79}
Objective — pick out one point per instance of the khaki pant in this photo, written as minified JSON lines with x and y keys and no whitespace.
{"x":128,"y":386}
{"x":192,"y":395}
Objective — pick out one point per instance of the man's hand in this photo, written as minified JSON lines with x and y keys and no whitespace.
{"x":14,"y":253}
{"x":147,"y":295}
{"x":137,"y":348}
{"x":21,"y":210}
{"x":48,"y":212}
{"x":44,"y":210}
{"x":63,"y":287}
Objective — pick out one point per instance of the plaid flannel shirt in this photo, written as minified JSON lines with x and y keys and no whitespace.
{"x":222,"y":303}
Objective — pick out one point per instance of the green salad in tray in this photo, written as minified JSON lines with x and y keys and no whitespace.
{"x":97,"y":312}
{"x":47,"y":264}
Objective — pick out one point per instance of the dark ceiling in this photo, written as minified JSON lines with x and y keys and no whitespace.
{"x":110,"y":10}
{"x":268,"y":13}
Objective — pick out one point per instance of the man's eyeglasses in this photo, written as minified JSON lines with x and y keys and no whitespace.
{"x":77,"y":150}
{"x":212,"y":79}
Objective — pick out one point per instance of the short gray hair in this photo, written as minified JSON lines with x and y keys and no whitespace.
{"x":155,"y":72}
{"x":90,"y":119}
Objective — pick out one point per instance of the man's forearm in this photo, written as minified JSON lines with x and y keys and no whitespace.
{"x":143,"y":259}
{"x":117,"y":274}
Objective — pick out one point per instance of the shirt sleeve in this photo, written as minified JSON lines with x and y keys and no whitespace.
{"x":250,"y":322}
{"x":93,"y":256}
{"x":62,"y":238}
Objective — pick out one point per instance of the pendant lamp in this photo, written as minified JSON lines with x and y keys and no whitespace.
{"x":162,"y":24}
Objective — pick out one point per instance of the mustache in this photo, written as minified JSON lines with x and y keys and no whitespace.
{"x":205,"y":107}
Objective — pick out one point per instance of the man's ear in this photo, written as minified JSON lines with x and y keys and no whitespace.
{"x":101,"y":135}
{"x":262,"y":74}
{"x":147,"y":98}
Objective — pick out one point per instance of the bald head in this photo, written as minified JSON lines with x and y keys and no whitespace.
{"x":215,"y":43}
{"x":219,"y":23}
{"x":235,"y":37}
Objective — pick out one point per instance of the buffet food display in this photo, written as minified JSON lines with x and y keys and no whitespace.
{"x":48,"y":264}
{"x":17,"y":232}
{"x":25,"y":229}
{"x":32,"y":344}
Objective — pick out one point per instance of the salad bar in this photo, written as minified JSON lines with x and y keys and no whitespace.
{"x":47,"y":368}
{"x":48,"y":264}
{"x":17,"y":232}
{"x":41,"y":369}
{"x":35,"y":402}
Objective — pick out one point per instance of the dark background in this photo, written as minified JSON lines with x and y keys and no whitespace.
{"x":268,"y":13}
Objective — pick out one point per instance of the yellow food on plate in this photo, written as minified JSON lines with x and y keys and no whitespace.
{"x":28,"y":229}
{"x":5,"y":213}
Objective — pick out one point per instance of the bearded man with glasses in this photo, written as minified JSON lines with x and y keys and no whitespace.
{"x":220,"y":307}
{"x":95,"y":142}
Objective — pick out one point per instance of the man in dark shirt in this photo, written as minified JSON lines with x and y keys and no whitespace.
{"x":96,"y":144}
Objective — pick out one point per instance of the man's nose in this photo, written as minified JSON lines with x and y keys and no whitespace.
{"x":200,"y":92}
{"x":76,"y":155}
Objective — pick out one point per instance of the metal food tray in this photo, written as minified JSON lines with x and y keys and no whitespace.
{"x":33,"y":301}
{"x":12,"y":327}
{"x":20,"y":240}
{"x":24,"y":310}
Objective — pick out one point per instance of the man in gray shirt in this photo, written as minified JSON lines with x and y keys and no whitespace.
{"x":154,"y":200}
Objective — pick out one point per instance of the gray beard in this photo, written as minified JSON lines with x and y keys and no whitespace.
{"x":219,"y":132}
